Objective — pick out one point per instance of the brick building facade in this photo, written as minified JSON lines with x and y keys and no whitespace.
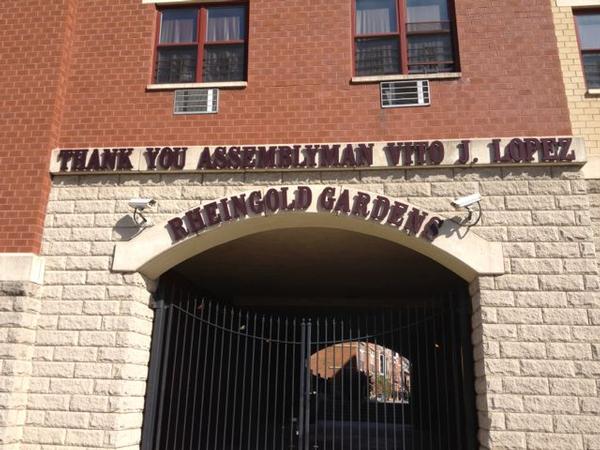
{"x":79,"y":277}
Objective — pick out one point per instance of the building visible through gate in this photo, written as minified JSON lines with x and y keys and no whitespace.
{"x":238,"y":367}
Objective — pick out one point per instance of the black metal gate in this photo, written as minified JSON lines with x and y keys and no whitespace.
{"x":230,"y":378}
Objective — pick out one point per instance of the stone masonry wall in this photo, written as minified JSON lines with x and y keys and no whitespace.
{"x":594,"y":198}
{"x":19,"y":309}
{"x":536,"y":329}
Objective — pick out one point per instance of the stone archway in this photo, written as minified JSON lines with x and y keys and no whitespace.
{"x":213,"y":223}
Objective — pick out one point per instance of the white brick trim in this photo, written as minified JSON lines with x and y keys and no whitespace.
{"x":591,"y":170}
{"x":219,"y":84}
{"x":577,"y":2}
{"x":416,"y":76}
{"x":182,"y":2}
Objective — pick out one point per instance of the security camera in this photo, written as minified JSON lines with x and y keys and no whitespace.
{"x":466,"y":201}
{"x":141,"y":203}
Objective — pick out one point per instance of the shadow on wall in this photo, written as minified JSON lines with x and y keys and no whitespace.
{"x":455,"y":225}
{"x":126,"y":228}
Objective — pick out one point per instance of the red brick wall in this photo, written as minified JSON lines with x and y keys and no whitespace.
{"x":34,"y":61}
{"x":298,"y":86}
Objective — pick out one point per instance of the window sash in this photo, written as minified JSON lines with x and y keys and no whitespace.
{"x":588,"y":25}
{"x":174,"y":29}
{"x":202,"y":44}
{"x":176,"y":64}
{"x":422,"y":25}
{"x":381,"y":16}
{"x":223,"y":62}
{"x":377,"y":56}
{"x":591,"y":68}
{"x":589,"y":49}
{"x":225,"y":24}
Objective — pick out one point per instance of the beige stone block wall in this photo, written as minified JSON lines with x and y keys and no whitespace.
{"x":584,"y":108}
{"x":19,"y":311}
{"x":536,"y":329}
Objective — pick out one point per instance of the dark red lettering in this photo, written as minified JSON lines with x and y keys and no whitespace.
{"x":220,"y":158}
{"x":348,"y":159}
{"x":392,"y":151}
{"x":420,"y":149}
{"x":436,"y":152}
{"x":311,"y":153}
{"x":165,"y":158}
{"x":234,"y":155}
{"x":94,"y":161}
{"x":495,"y":148}
{"x":109,"y":159}
{"x":397,"y":214}
{"x":532,"y":146}
{"x":516,"y":150}
{"x":238,"y":206}
{"x":151,"y":154}
{"x":548,"y":149}
{"x":266,"y":157}
{"x":381,"y":207}
{"x":343,"y":202}
{"x":285,"y":157}
{"x":464,"y":152}
{"x":303,"y":197}
{"x":364,"y":155}
{"x":212,"y":214}
{"x":248,"y":155}
{"x":565,"y":145}
{"x":330,"y":156}
{"x":284,"y":200}
{"x":272,"y":200}
{"x":432,"y":229}
{"x":414,"y":221}
{"x":326,"y":199}
{"x":64,"y":156}
{"x":296,"y":157}
{"x":225,"y":215}
{"x":255,"y":202}
{"x":79,"y":159}
{"x":361,"y":201}
{"x":180,"y":157}
{"x":123,"y":159}
{"x":205,"y":160}
{"x":195,"y":220}
{"x":177,"y":229}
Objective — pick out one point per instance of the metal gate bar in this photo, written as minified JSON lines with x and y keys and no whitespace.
{"x":223,"y":378}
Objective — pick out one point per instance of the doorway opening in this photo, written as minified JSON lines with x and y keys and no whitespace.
{"x":311,"y":339}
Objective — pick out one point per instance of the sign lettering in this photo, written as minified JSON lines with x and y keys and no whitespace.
{"x":332,"y":200}
{"x":362,"y":155}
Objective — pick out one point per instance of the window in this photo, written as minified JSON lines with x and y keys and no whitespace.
{"x":382,"y":364}
{"x":403,"y":36}
{"x":588,"y":30}
{"x":201,"y":44}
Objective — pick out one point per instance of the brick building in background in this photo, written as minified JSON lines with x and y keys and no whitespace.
{"x":302,"y":157}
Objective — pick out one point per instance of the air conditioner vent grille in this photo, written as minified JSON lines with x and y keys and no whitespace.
{"x":398,"y":94}
{"x":196,"y":101}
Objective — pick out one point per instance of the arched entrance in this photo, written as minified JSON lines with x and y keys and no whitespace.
{"x":315,"y":338}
